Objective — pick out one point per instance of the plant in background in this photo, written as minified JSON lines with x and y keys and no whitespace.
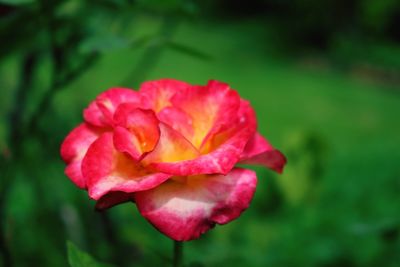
{"x":172,"y":148}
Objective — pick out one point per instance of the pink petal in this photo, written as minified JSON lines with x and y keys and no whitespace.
{"x":178,"y":120}
{"x":211,"y":108}
{"x":100,"y":112}
{"x":226,"y":148}
{"x":107,"y":169}
{"x":171,"y":147}
{"x":159,"y":93}
{"x":259,"y":151}
{"x":74,"y":148}
{"x":183,"y":208}
{"x":93,"y":115}
{"x":113,"y":198}
{"x":126,"y":141}
{"x":243,"y":118}
{"x":136,"y":131}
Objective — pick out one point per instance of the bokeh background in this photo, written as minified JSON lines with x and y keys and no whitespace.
{"x":323,"y":77}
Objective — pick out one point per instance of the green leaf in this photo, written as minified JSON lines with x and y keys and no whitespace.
{"x":16,"y":2}
{"x":193,"y":52}
{"x":79,"y":258}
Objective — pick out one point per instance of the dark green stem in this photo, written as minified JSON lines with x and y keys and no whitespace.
{"x":178,"y":254}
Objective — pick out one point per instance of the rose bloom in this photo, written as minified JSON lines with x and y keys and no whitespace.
{"x":172,"y":148}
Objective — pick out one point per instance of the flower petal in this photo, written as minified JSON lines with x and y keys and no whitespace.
{"x":159,"y":93}
{"x":210,"y":107}
{"x":93,"y":115}
{"x":74,"y":148}
{"x":185,"y":208}
{"x":113,"y":198}
{"x":227,"y":146}
{"x":242,"y":117}
{"x":259,"y":151}
{"x":126,"y":141}
{"x":178,"y":120}
{"x":171,"y":147}
{"x":136,"y":131}
{"x":100,"y":112}
{"x":107,"y":169}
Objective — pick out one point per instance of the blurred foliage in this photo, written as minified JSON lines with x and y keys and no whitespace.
{"x":323,"y":78}
{"x":78,"y":258}
{"x":315,"y":23}
{"x":307,"y":153}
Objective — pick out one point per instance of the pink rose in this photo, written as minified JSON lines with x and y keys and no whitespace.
{"x":172,"y":148}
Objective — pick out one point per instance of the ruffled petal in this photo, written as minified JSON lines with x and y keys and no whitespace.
{"x":171,"y":147}
{"x":183,"y":208}
{"x":243,"y":118}
{"x":178,"y":120}
{"x":259,"y":151}
{"x":158,"y":93}
{"x":74,"y":148}
{"x":93,"y":115}
{"x":226,"y":147}
{"x":106,"y":170}
{"x":211,"y":108}
{"x":126,"y":141}
{"x":136,"y":131}
{"x":100,"y":112}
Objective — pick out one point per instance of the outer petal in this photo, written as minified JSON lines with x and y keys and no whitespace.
{"x":211,"y":108}
{"x":136,"y":130}
{"x":227,"y":146}
{"x":74,"y":148}
{"x":100,"y":112}
{"x":93,"y":115}
{"x":158,"y":93}
{"x":184,"y":209}
{"x":259,"y":151}
{"x":112,"y":199}
{"x":107,"y":169}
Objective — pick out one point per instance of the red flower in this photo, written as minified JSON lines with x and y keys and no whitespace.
{"x":172,"y":148}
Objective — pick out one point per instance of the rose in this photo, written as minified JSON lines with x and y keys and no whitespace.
{"x":172,"y":149}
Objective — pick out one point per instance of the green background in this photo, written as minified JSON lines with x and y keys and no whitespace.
{"x":324,"y":79}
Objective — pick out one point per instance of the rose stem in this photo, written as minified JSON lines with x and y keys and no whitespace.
{"x":178,"y":254}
